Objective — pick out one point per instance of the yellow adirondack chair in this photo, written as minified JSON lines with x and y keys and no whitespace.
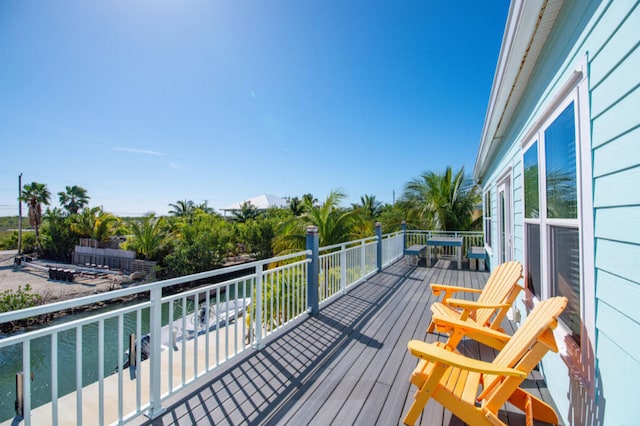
{"x":454,"y":380}
{"x":488,"y":311}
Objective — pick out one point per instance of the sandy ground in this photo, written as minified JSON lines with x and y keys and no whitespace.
{"x":50,"y":290}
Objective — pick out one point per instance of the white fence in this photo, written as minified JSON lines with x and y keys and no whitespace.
{"x":94,"y":369}
{"x":392,"y":248}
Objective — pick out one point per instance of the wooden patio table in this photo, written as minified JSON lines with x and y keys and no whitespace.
{"x":445,"y":242}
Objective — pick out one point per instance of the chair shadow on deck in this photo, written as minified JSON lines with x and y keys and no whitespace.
{"x":261,"y":387}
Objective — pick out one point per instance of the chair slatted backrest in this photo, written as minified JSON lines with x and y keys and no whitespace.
{"x":498,"y":288}
{"x":525,"y":349}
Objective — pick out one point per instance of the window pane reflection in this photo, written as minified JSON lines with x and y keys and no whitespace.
{"x":560,"y":149}
{"x":565,"y":274}
{"x":533,"y":258}
{"x":531,"y":202}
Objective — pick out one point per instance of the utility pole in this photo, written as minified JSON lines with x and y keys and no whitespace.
{"x":19,"y":213}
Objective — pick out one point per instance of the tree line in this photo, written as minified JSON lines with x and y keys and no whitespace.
{"x":194,"y":237}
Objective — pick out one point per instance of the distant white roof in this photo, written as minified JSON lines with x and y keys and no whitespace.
{"x":262,"y":202}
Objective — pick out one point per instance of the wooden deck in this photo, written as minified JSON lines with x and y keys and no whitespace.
{"x":348,"y":365}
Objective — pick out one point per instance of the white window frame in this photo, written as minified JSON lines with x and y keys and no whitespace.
{"x":505,"y":181}
{"x":574,"y":90}
{"x":487,"y":209}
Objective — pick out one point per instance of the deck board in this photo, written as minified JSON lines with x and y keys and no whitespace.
{"x":347,"y":365}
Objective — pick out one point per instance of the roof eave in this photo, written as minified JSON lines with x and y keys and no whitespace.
{"x":529,"y":23}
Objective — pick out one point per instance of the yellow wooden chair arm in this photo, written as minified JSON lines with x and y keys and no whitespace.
{"x":451,"y":289}
{"x":469,"y":328}
{"x":472,"y":305}
{"x":430,"y":352}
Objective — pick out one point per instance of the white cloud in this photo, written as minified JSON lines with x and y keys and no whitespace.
{"x":138,"y":151}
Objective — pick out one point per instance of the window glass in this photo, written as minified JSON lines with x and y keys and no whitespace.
{"x":487,"y":218}
{"x":560,"y":157}
{"x":531,"y":196}
{"x":533,"y":258}
{"x":565,"y":273}
{"x":503,"y":227}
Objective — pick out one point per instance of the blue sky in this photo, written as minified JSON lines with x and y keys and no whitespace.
{"x":144,"y":103}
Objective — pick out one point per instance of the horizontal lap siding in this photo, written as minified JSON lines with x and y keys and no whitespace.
{"x":607,"y":34}
{"x":615,"y":102}
{"x":619,"y":385}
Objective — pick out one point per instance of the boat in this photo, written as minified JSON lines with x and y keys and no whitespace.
{"x":220,"y":315}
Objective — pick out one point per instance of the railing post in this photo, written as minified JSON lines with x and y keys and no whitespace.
{"x":379,"y":246}
{"x":312,"y":270}
{"x":363,"y":260}
{"x":19,"y":394}
{"x":404,"y":236}
{"x":155,"y":406}
{"x":343,"y":269}
{"x":258,"y":322}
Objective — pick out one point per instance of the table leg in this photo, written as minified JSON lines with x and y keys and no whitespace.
{"x":459,"y":253}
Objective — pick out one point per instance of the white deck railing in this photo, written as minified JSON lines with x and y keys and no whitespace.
{"x":345,"y":265}
{"x":185,"y":343}
{"x":190,"y":333}
{"x":392,"y":248}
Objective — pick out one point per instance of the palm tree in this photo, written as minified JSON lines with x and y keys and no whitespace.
{"x":182,"y":208}
{"x":57,"y":237}
{"x":309,"y":200}
{"x":296,"y":206}
{"x":73,"y":199}
{"x":369,"y":205}
{"x":335,"y":224}
{"x":204,"y":206}
{"x":95,"y":223}
{"x":247,"y":212}
{"x":149,"y":235}
{"x":443,"y":201}
{"x":35,"y":195}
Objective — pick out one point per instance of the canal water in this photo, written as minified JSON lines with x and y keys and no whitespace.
{"x":11,"y":357}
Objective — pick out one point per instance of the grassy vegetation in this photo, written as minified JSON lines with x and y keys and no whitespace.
{"x":9,"y":233}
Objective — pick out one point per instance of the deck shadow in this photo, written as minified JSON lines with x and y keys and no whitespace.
{"x":259,"y":387}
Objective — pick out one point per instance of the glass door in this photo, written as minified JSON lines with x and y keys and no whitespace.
{"x":505,"y":237}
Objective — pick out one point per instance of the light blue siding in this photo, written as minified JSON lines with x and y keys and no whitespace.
{"x":615,"y":325}
{"x":618,"y":224}
{"x":607,"y":34}
{"x":621,"y":293}
{"x":609,"y":92}
{"x":617,"y":120}
{"x":619,"y":258}
{"x":615,"y":102}
{"x":618,"y":383}
{"x":623,"y":32}
{"x":619,"y":154}
{"x":617,"y":189}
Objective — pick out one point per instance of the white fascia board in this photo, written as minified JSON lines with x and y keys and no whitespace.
{"x":522,"y":23}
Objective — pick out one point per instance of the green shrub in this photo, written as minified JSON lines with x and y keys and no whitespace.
{"x":13,"y":300}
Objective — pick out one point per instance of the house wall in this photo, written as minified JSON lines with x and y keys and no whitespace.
{"x":606,"y":34}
